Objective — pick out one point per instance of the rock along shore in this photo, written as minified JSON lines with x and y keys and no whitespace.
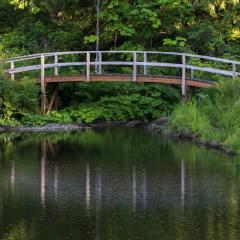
{"x":45,"y":128}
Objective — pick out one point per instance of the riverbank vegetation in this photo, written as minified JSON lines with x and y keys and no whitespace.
{"x":214,"y":116}
{"x":198,"y":27}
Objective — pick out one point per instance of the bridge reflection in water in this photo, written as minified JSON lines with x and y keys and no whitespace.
{"x":50,"y":178}
{"x":126,"y":182}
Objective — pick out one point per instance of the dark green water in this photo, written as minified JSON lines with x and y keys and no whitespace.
{"x":115,"y":184}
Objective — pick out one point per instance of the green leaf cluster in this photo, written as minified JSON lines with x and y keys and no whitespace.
{"x":17,"y":98}
{"x":115,"y":108}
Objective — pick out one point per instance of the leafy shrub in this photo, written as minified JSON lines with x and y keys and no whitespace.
{"x":8,"y":122}
{"x":40,"y":120}
{"x":121,"y":108}
{"x":73,"y":94}
{"x":17,"y":97}
{"x":28,"y":95}
{"x":35,"y":120}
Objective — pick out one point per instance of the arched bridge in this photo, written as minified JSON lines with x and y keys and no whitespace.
{"x":135,"y":66}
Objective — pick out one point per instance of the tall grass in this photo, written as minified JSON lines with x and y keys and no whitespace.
{"x":217,"y":118}
{"x":190,"y":117}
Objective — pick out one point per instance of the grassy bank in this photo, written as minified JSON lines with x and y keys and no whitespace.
{"x":213,"y":116}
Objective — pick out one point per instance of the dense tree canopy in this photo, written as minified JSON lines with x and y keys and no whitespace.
{"x":203,"y":26}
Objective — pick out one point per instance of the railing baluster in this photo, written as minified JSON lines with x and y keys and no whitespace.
{"x":100,"y":63}
{"x":234,"y":71}
{"x":134,"y":66}
{"x":88,"y":66}
{"x":12,"y":67}
{"x":184,"y":77}
{"x":145,"y":61}
{"x":192,"y":74}
{"x":43,"y":90}
{"x":56,"y":72}
{"x":96,"y":66}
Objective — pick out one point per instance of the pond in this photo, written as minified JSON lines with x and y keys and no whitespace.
{"x":115,"y":184}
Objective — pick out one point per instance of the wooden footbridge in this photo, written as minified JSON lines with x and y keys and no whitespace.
{"x":142,"y":67}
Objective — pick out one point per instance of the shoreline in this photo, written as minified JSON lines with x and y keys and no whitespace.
{"x":160,"y":126}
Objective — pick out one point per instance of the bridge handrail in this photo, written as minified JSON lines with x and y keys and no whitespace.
{"x":68,"y":64}
{"x":35,"y":56}
{"x":134,"y":63}
{"x":98,"y":63}
{"x":101,"y":63}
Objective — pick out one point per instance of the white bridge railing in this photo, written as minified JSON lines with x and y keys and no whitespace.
{"x":138,"y":59}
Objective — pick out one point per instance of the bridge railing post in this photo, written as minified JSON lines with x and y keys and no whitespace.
{"x":42,"y":81}
{"x":234,"y":71}
{"x":100,"y":63}
{"x":145,"y":72}
{"x":88,"y":66}
{"x":12,"y":67}
{"x":184,"y":89}
{"x":134,"y":66}
{"x":56,"y":69}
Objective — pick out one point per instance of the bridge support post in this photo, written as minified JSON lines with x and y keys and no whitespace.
{"x":184,"y":87}
{"x":53,"y":101}
{"x":43,"y":87}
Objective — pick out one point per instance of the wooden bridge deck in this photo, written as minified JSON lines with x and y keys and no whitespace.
{"x":128,"y":78}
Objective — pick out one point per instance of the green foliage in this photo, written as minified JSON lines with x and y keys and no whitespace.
{"x":205,"y":27}
{"x":17,"y":98}
{"x":73,"y":94}
{"x":228,"y":92}
{"x":122,"y":108}
{"x":118,"y":108}
{"x":233,"y":140}
{"x":191,"y":117}
{"x":8,"y":122}
{"x":178,"y":41}
{"x":209,"y":36}
{"x":28,"y":95}
{"x":40,"y":120}
{"x":215,"y":117}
